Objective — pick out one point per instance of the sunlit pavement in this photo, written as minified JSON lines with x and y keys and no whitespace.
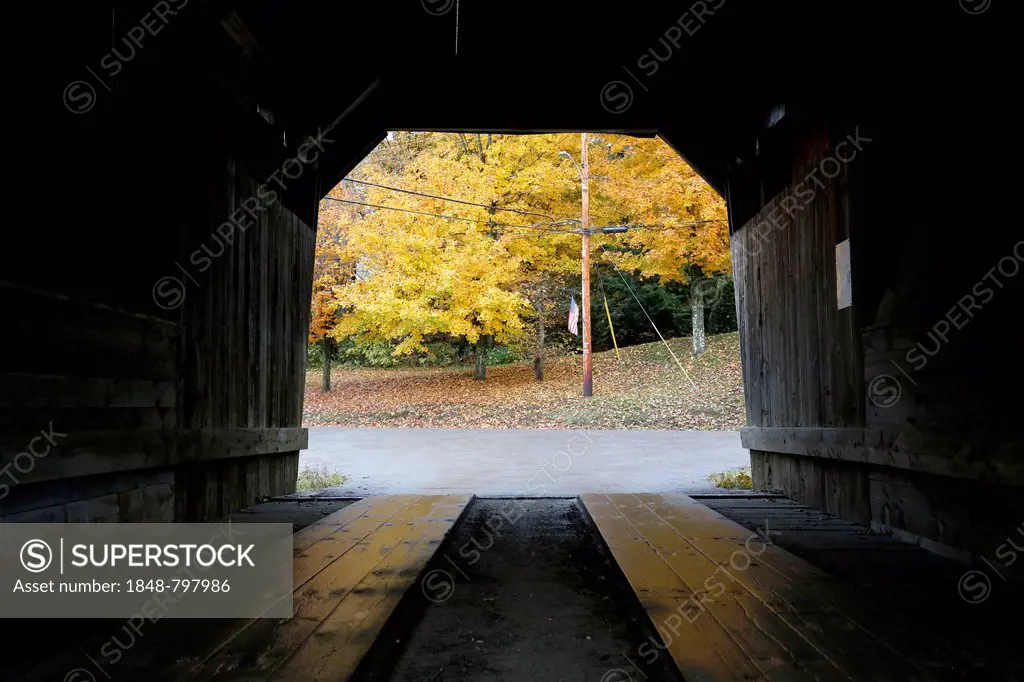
{"x":521,"y":461}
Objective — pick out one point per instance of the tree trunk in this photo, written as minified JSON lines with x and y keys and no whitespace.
{"x":325,"y":350}
{"x":538,"y":360}
{"x":481,"y":359}
{"x":697,"y":311}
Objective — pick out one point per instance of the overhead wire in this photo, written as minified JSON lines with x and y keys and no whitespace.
{"x":651,"y":320}
{"x":630,"y":227}
{"x":542,"y":228}
{"x":453,"y":200}
{"x":543,"y":234}
{"x":659,"y":226}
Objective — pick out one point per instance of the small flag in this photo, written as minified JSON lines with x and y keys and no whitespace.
{"x":574,"y":316}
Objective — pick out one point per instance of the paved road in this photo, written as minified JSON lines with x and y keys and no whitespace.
{"x":521,"y":461}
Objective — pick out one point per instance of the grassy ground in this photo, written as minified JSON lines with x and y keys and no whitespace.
{"x":317,"y":478}
{"x":645,"y":390}
{"x":733,"y":479}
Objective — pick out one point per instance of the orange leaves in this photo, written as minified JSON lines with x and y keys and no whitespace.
{"x":644,"y":390}
{"x":648,"y":183}
{"x":459,"y":268}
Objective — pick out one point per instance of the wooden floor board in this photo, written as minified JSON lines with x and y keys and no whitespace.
{"x":325,"y":526}
{"x":704,"y":652}
{"x":775,"y":649}
{"x":327,"y":549}
{"x":383,"y":506}
{"x":786,"y":618}
{"x":339,"y":641}
{"x":368,"y":560}
{"x":826,"y":612}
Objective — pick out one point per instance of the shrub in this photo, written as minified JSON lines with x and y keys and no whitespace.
{"x":736,"y":479}
{"x":440,"y":353}
{"x":314,"y":356}
{"x":502,"y":355}
{"x":377,"y":354}
{"x":318,"y":478}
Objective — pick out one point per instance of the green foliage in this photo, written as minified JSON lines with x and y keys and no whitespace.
{"x":502,"y":355}
{"x":382,"y":354}
{"x":720,"y":306}
{"x":440,"y":353}
{"x":668,"y":304}
{"x":318,"y":478}
{"x":735,"y":479}
{"x":314,"y":356}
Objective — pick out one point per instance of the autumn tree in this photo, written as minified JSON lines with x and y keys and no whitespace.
{"x":469,"y":236}
{"x":330,"y":271}
{"x":685,"y":235}
{"x":477,"y":273}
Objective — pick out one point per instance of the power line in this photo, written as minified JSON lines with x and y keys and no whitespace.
{"x":616,"y":228}
{"x":659,"y":226}
{"x":653,"y":226}
{"x":545,"y":233}
{"x":541,"y":227}
{"x":649,"y":319}
{"x":456,"y":201}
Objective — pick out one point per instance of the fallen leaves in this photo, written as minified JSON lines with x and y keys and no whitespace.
{"x":646,"y":390}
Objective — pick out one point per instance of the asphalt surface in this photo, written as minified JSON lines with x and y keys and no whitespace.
{"x":535,"y":463}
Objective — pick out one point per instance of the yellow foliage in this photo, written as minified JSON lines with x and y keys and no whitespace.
{"x":465,"y":274}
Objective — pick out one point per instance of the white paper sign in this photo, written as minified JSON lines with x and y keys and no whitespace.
{"x":844,"y":276}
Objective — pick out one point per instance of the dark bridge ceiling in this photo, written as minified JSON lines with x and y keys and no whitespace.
{"x":123,"y":188}
{"x":520,"y":66}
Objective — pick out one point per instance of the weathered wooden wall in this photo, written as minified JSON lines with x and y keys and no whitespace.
{"x":843,"y":412}
{"x":160,"y":409}
{"x":245,"y":325}
{"x":804,"y":367}
{"x":101,"y":383}
{"x":800,"y":354}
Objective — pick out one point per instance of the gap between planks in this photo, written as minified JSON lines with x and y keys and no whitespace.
{"x":323,"y":581}
{"x":781,"y":596}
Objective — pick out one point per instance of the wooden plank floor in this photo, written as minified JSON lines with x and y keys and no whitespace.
{"x":891,"y":576}
{"x":729,"y":605}
{"x":351,"y":570}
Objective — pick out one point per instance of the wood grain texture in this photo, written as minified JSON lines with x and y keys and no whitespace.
{"x":85,"y":453}
{"x":351,"y":570}
{"x":749,"y":609}
{"x":212,"y":388}
{"x":800,"y":355}
{"x":926,"y":453}
{"x":243,"y":343}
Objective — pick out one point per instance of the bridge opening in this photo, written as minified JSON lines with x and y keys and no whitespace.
{"x":157,"y":337}
{"x":447,"y":295}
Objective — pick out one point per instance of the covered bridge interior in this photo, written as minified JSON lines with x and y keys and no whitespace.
{"x":156,"y":321}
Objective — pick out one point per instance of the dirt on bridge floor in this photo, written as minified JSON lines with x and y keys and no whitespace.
{"x":521,"y":591}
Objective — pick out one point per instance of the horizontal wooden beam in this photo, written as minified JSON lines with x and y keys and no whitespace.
{"x":60,"y":492}
{"x":42,"y":390}
{"x":24,"y":294}
{"x":206,"y":444}
{"x":100,"y":452}
{"x":939,"y":454}
{"x":52,"y":334}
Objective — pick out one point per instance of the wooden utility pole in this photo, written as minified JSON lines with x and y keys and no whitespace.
{"x":588,"y":379}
